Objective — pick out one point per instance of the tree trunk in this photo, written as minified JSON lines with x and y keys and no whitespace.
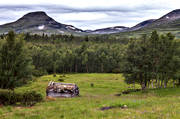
{"x":152,"y":84}
{"x":143,"y":86}
{"x":161,"y":83}
{"x":76,"y":68}
{"x":134,"y":85}
{"x":102,"y":67}
{"x":149,"y":84}
{"x":87,"y":68}
{"x":174,"y":83}
{"x":156,"y":83}
{"x":63,"y":68}
{"x":165,"y":83}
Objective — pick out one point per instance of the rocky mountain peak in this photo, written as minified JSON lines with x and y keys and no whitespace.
{"x":35,"y":14}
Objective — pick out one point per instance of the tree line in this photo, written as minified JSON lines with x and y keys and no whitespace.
{"x":84,"y":58}
{"x":148,"y":60}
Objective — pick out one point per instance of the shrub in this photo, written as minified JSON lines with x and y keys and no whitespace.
{"x":61,"y":76}
{"x":31,"y":98}
{"x":92,"y":84}
{"x":8,"y":97}
{"x":61,"y":80}
{"x":116,"y":70}
{"x":54,"y":75}
{"x":11,"y":98}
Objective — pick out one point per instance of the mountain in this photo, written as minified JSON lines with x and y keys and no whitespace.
{"x":142,"y":24}
{"x":108,"y":30}
{"x":170,"y":20}
{"x":167,"y":23}
{"x":38,"y":22}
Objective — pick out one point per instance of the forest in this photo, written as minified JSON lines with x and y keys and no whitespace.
{"x":144,"y":60}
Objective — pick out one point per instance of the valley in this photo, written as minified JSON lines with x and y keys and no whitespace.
{"x":153,"y":104}
{"x":54,"y":70}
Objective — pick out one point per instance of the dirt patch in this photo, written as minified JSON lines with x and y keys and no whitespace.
{"x":118,"y":94}
{"x":128,"y":91}
{"x":24,"y":107}
{"x":1,"y":105}
{"x":112,"y":107}
{"x":106,"y":108}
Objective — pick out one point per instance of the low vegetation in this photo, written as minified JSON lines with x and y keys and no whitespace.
{"x":151,"y":104}
{"x":26,"y":98}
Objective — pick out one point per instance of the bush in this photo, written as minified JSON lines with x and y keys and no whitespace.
{"x":31,"y":98}
{"x":61,"y":80}
{"x":116,"y":70}
{"x":11,"y":98}
{"x":62,"y":76}
{"x":92,"y":84}
{"x":8,"y":97}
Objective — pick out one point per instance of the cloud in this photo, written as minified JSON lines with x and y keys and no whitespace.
{"x":89,"y":14}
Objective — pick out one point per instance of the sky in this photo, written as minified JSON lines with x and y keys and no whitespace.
{"x":89,"y":14}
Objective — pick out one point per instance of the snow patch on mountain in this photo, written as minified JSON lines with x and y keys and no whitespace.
{"x":71,"y":27}
{"x":41,"y":27}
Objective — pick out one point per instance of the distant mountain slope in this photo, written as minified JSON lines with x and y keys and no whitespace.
{"x":109,"y":30}
{"x":38,"y":22}
{"x":170,"y":20}
{"x":167,"y":23}
{"x":142,"y":24}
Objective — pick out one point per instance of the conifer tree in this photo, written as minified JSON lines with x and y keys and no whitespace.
{"x":15,"y":62}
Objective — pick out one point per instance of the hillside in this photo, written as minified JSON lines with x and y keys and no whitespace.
{"x":109,"y":30}
{"x":167,"y":23}
{"x":38,"y":22}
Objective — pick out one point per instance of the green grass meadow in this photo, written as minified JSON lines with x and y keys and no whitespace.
{"x":152,"y":104}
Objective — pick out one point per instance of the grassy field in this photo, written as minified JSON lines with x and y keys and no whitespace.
{"x":153,"y":104}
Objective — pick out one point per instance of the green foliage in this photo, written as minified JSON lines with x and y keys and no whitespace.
{"x":27,"y":98}
{"x":61,"y":80}
{"x":86,"y":57}
{"x":150,"y":59}
{"x":39,"y":72}
{"x":15,"y":62}
{"x":31,"y":98}
{"x":117,"y":70}
{"x":8,"y":97}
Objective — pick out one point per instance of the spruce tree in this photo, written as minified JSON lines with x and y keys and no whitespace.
{"x":15,"y":62}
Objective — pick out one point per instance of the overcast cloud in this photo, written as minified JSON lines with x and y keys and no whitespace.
{"x":89,"y":14}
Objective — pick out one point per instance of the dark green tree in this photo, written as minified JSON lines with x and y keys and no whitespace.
{"x":151,"y":58}
{"x":15,"y":62}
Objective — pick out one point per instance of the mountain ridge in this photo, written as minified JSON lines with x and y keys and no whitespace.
{"x":39,"y":22}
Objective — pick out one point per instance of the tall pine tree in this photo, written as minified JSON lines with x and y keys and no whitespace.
{"x":15,"y":62}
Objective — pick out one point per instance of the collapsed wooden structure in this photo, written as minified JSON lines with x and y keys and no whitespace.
{"x":62,"y":90}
